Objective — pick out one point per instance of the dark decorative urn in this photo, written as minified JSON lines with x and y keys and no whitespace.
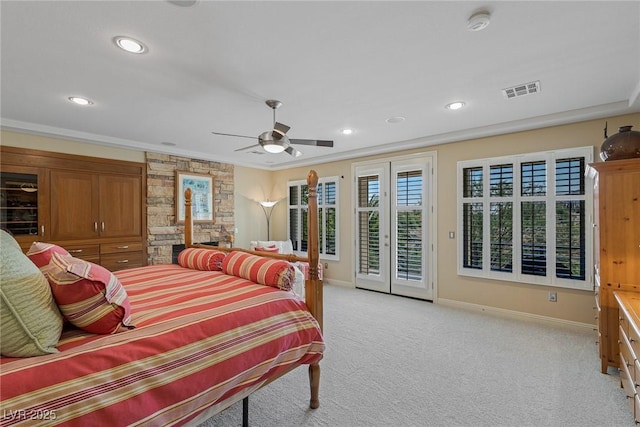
{"x":623,"y":145}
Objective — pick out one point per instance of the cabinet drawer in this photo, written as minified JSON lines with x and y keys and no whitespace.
{"x":112,"y":248}
{"x":627,"y":382}
{"x":626,"y":350}
{"x":121,"y":261}
{"x":623,"y":322}
{"x":86,"y":252}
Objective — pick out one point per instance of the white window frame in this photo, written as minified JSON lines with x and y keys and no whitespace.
{"x":550,"y":199}
{"x":322,"y":205}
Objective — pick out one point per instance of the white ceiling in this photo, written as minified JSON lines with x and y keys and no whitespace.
{"x":334,"y":65}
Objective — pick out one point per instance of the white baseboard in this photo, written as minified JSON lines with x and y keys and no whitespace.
{"x":341,"y":283}
{"x":513,"y":314}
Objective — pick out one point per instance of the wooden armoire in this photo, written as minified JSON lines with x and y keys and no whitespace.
{"x":617,"y":247}
{"x":95,"y":208}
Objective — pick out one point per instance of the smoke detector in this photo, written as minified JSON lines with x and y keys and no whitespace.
{"x":479,"y":21}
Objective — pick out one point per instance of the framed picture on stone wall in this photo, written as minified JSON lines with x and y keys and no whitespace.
{"x":201,"y":186}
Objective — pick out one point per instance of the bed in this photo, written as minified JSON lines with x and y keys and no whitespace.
{"x":202,"y":341}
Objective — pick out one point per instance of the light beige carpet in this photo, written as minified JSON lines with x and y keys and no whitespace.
{"x":393,"y":361}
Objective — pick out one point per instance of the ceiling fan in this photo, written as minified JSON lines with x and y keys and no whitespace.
{"x":276,"y":140}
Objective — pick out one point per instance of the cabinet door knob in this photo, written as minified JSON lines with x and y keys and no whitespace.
{"x":74,"y":251}
{"x":123,"y":247}
{"x":95,"y":227}
{"x":102,"y":226}
{"x":42,"y":230}
{"x":122,"y":261}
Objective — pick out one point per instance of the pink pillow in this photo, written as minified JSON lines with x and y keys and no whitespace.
{"x":89,"y":296}
{"x":40,"y":253}
{"x":265,"y":271}
{"x":201,"y":259}
{"x":273,"y":249}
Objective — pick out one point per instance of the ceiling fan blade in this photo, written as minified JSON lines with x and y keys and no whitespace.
{"x":231,"y":134}
{"x":293,"y":151}
{"x":316,"y":142}
{"x":246,"y":148}
{"x":279,"y":130}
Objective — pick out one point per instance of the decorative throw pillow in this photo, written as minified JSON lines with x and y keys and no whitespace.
{"x":40,"y":253}
{"x":270,"y":272}
{"x":30,"y":322}
{"x":7,"y":239}
{"x":201,"y":259}
{"x":284,"y":246}
{"x":273,"y":249}
{"x":88,"y":295}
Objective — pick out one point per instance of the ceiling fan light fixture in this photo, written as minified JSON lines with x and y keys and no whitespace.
{"x":269,"y":144}
{"x":272,"y":147}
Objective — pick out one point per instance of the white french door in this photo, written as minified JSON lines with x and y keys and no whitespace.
{"x":394,"y":243}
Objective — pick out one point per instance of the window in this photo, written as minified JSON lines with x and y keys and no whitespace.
{"x":524,"y":218}
{"x":327,"y":216}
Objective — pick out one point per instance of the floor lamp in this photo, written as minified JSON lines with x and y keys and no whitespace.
{"x":267,"y":207}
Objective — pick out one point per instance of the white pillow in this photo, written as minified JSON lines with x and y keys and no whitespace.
{"x":284,"y":246}
{"x":298,"y":283}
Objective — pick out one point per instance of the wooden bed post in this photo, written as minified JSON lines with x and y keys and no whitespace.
{"x":188,"y":224}
{"x":313,"y":286}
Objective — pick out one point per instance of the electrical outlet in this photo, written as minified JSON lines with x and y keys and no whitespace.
{"x":553,"y":297}
{"x":326,"y":265}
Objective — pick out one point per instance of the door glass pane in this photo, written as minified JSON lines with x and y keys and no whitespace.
{"x":368,"y":191}
{"x":534,"y":238}
{"x":409,"y":188}
{"x":19,"y":203}
{"x":501,"y":236}
{"x":369,"y":246}
{"x":409,"y":245}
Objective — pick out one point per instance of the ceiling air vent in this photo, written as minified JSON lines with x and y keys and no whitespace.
{"x":521,"y":90}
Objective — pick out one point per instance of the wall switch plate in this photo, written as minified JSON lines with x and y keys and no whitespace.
{"x":553,"y":297}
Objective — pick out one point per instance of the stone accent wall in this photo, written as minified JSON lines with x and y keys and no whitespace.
{"x":163,"y":231}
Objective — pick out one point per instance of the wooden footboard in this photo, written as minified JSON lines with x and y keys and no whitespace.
{"x":313,"y":285}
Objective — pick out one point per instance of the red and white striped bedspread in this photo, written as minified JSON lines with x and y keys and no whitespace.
{"x":200,"y":338}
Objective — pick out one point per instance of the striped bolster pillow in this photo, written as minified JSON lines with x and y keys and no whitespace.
{"x":269,"y":272}
{"x":201,"y":259}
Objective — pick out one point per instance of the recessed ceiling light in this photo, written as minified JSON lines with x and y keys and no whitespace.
{"x":346,"y":131}
{"x":80,"y":100}
{"x":454,"y":105}
{"x":129,"y":44}
{"x":396,"y":119}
